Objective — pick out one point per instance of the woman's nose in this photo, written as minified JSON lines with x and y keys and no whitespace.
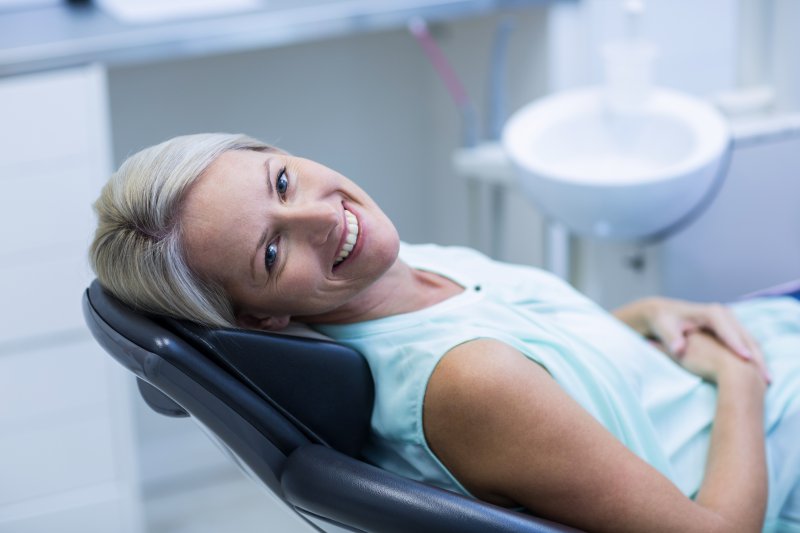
{"x":317,"y":219}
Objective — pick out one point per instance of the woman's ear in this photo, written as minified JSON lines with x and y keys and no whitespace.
{"x":270,"y":323}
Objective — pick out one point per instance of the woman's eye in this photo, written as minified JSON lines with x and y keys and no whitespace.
{"x":282,"y":182}
{"x":271,"y":255}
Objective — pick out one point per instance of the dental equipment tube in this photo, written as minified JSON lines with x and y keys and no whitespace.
{"x":419,"y":29}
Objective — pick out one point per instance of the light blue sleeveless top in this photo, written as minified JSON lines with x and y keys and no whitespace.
{"x":659,"y":411}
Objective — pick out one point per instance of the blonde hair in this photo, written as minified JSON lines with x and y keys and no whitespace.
{"x":137,"y":252}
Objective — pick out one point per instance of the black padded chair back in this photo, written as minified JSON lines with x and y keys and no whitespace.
{"x":324,"y":389}
{"x":283,"y":394}
{"x":293,"y":412}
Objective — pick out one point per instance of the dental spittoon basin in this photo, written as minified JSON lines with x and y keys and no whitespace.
{"x":623,"y":160}
{"x":617,"y":175}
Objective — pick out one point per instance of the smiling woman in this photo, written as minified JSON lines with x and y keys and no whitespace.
{"x":285,"y":237}
{"x":228,"y":231}
{"x":495,"y":380}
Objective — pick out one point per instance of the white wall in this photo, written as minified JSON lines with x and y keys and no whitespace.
{"x":356,"y":104}
{"x":468,"y":45}
{"x":783,"y":43}
{"x":369,"y":106}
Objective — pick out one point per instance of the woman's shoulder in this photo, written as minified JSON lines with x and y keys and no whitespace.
{"x":470,"y":408}
{"x":478,"y":364}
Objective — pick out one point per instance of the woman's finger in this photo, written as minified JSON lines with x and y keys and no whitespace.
{"x":762,"y":365}
{"x":727,"y":328}
{"x":670,"y":330}
{"x":758,"y":356}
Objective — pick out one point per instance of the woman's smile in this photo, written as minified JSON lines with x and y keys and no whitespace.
{"x":350,"y":233}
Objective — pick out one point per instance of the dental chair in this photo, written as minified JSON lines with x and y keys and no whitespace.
{"x":293,"y":413}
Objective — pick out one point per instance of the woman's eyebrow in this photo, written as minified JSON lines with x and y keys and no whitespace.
{"x":265,"y":233}
{"x":269,"y":175}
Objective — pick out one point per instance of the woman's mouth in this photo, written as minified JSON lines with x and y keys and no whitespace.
{"x":350,"y":239}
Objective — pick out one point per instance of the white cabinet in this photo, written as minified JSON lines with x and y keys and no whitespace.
{"x":66,"y":445}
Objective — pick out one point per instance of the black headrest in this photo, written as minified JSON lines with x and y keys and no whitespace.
{"x":323,"y":388}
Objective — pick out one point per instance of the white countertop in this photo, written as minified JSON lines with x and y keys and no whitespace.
{"x":60,"y":36}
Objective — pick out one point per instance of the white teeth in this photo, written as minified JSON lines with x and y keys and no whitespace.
{"x":350,"y":240}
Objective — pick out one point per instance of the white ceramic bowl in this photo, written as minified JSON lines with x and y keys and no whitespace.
{"x":617,"y":176}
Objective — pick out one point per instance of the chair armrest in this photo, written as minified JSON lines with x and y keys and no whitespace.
{"x":332,"y":485}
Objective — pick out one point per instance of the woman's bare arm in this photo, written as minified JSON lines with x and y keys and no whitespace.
{"x":511,"y":435}
{"x":736,"y":473}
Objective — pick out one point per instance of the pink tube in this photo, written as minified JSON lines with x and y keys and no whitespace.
{"x":419,"y":29}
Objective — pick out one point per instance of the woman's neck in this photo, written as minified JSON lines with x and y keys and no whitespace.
{"x":401,"y":289}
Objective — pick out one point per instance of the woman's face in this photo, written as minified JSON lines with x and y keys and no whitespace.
{"x":273,"y":228}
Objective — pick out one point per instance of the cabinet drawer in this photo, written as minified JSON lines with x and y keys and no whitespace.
{"x":39,"y":211}
{"x":54,"y":456}
{"x":48,"y":116}
{"x":43,"y":296}
{"x":97,"y":517}
{"x":61,"y":381}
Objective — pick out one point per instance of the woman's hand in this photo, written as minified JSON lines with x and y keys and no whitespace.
{"x":704,"y":355}
{"x":670,"y":321}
